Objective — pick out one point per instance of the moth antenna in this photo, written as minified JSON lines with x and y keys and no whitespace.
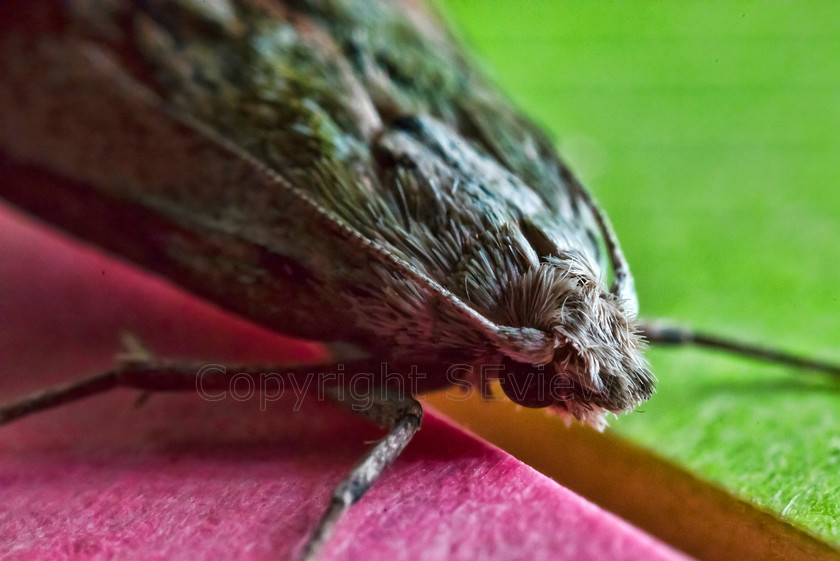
{"x":623,"y":284}
{"x":664,"y":333}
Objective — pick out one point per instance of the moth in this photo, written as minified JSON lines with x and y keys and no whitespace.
{"x":335,"y":171}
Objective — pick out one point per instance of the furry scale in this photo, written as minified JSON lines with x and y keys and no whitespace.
{"x":333,"y":170}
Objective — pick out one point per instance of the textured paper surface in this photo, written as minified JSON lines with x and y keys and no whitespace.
{"x":182,"y":478}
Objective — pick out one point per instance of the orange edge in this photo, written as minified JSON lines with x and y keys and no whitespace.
{"x":684,"y":511}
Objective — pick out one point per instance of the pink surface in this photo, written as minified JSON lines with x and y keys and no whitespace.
{"x":182,"y":478}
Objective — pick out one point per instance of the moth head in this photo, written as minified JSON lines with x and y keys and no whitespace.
{"x":592,"y":359}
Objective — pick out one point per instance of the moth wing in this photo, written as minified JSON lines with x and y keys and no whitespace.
{"x":332,"y":172}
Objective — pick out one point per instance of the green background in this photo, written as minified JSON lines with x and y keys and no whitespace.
{"x":710,"y":132}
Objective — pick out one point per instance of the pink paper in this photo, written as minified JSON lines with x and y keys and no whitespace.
{"x":183,"y":478}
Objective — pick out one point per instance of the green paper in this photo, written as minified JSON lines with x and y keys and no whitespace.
{"x":710,"y":132}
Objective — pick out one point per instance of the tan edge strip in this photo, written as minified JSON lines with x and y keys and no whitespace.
{"x":688,"y":513}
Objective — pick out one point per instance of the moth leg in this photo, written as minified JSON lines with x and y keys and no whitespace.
{"x":663,"y":333}
{"x":402,"y":415}
{"x":146,"y":373}
{"x":134,"y":354}
{"x":400,"y":412}
{"x":58,"y":396}
{"x":148,"y":377}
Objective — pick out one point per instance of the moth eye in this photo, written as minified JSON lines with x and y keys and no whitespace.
{"x":542,"y":244}
{"x":528,"y":386}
